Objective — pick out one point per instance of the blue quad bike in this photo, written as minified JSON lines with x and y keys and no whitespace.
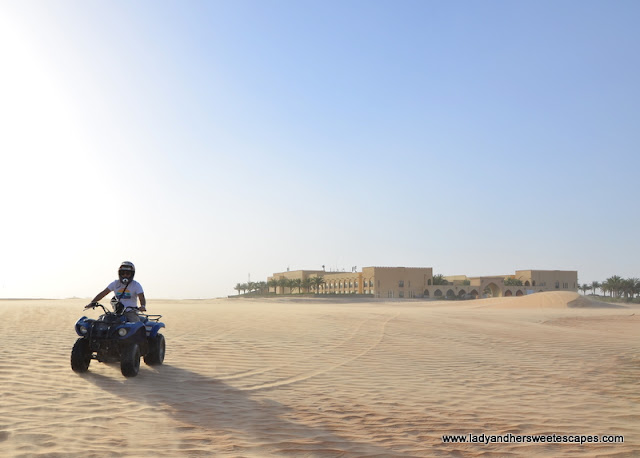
{"x":111,"y":338}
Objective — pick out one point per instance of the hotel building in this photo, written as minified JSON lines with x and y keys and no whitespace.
{"x":417,"y":282}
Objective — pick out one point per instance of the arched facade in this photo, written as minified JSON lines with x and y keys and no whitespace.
{"x":491,"y":290}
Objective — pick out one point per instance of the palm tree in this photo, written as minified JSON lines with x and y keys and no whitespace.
{"x":295,"y":283}
{"x":628,"y":286}
{"x":613,"y":285}
{"x":584,"y":288}
{"x":238,"y":288}
{"x":636,"y":286}
{"x":594,"y":285}
{"x":273,"y":283}
{"x":306,"y":284}
{"x":262,"y":287}
{"x":317,"y":283}
{"x":283,"y":283}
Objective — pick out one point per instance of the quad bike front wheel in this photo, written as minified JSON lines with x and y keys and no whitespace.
{"x":155,"y":356}
{"x":130,"y":360}
{"x":81,"y":356}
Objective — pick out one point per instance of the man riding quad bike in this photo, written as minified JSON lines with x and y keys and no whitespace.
{"x":112,"y":338}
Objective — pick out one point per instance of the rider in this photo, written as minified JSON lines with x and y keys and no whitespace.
{"x":127,"y":291}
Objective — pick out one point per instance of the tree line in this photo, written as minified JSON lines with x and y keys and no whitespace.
{"x":615,"y":286}
{"x":308,"y":284}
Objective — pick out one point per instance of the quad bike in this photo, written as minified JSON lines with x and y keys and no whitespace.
{"x":111,"y":338}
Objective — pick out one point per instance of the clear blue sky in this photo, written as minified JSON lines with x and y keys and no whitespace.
{"x":210,"y":141}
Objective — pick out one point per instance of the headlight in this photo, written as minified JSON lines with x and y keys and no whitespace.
{"x":83,"y":330}
{"x":122,"y":332}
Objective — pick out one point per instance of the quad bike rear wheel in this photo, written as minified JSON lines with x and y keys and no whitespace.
{"x":130,"y":360}
{"x":81,"y":356}
{"x":155,"y":356}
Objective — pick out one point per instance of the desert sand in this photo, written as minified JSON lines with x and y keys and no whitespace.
{"x":329,"y":377}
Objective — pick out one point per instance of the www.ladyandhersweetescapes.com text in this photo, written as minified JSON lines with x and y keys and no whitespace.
{"x":509,"y":438}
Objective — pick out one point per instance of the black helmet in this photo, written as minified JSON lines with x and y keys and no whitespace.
{"x":125,"y":267}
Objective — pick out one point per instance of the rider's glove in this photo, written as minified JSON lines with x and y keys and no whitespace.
{"x":91,"y":305}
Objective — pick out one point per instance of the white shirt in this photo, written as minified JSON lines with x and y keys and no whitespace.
{"x":130,"y":297}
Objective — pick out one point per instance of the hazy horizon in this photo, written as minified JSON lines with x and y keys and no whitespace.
{"x":211,"y":141}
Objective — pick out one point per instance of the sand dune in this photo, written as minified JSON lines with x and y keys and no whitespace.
{"x":319,"y":377}
{"x":551,"y":299}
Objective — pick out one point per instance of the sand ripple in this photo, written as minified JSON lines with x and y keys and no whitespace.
{"x":320,"y":378}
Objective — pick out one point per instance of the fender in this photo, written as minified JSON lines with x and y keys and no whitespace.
{"x":84,"y":321}
{"x":131,"y":328}
{"x":136,"y":333}
{"x":153,"y":328}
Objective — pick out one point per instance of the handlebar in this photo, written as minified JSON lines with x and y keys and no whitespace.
{"x":93,"y":305}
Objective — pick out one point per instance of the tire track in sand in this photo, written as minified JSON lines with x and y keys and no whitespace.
{"x":323,"y":369}
{"x":253,"y":372}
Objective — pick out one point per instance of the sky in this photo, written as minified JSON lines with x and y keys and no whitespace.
{"x":216,"y":142}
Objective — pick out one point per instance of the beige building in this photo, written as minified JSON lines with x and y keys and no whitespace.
{"x":293,"y":275}
{"x":417,"y":282}
{"x":521,"y":283}
{"x":380,"y":281}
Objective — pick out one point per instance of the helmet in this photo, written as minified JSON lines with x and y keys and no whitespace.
{"x":126,"y":266}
